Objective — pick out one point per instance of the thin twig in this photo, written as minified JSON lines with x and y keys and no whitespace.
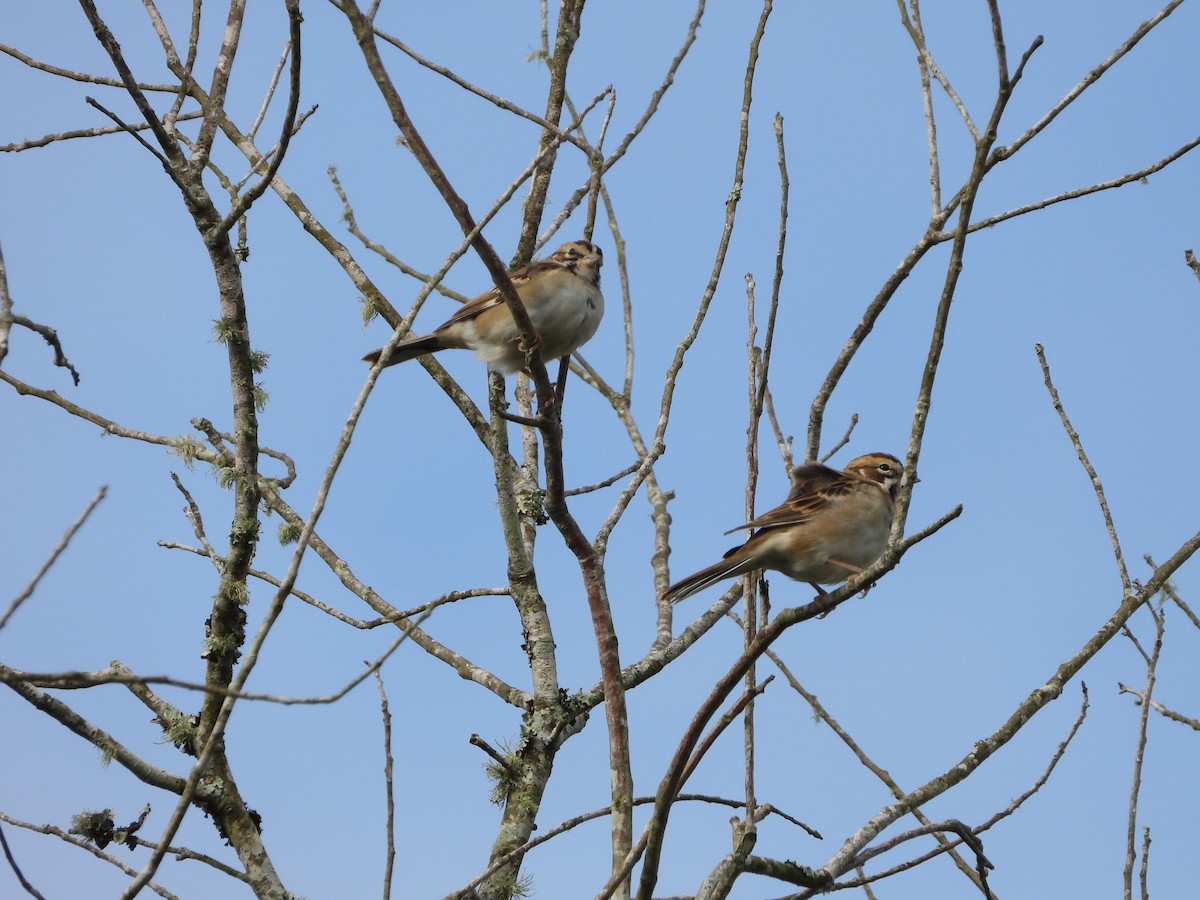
{"x":843,"y":440}
{"x":1138,"y":176}
{"x":612,"y":479}
{"x":390,"y":618}
{"x":28,"y":590}
{"x":118,"y":674}
{"x":1087,"y":465}
{"x":1087,"y":81}
{"x":1054,"y":760}
{"x":6,"y":313}
{"x":1143,"y":874}
{"x":83,"y":77}
{"x":1194,"y":724}
{"x":954,"y":267}
{"x":721,"y":724}
{"x":951,"y":846}
{"x":270,"y":91}
{"x":495,"y":754}
{"x":1139,"y":752}
{"x":784,"y":444}
{"x":12,"y":862}
{"x":466,"y":891}
{"x":935,"y":175}
{"x":49,"y":335}
{"x":821,"y":713}
{"x":494,"y":99}
{"x":47,"y":139}
{"x":287,"y":129}
{"x":389,"y":795}
{"x":1043,"y":694}
{"x":111,"y":860}
{"x":651,"y":108}
{"x":1169,"y":590}
{"x":966,"y":834}
{"x":351,"y":221}
{"x":925,"y":58}
{"x":192,"y":511}
{"x":755,"y":375}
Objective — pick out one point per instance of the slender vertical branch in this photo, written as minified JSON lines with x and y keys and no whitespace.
{"x":816,"y":415}
{"x":755,"y":379}
{"x":390,"y":858}
{"x":175,"y":164}
{"x":935,"y":175}
{"x":1144,"y":871}
{"x":653,"y":834}
{"x":1139,"y":753}
{"x":777,"y":276}
{"x":966,"y":203}
{"x":566,"y":33}
{"x":256,"y":190}
{"x":219,"y":86}
{"x":226,"y":626}
{"x":928,"y":66}
{"x":6,"y":317}
{"x":555,"y":503}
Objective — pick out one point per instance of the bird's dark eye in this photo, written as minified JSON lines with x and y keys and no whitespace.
{"x":885,"y":467}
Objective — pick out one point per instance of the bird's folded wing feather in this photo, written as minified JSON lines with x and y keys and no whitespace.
{"x":797,"y":510}
{"x":793,"y":512}
{"x":812,"y":477}
{"x":491,"y":297}
{"x":472,"y":308}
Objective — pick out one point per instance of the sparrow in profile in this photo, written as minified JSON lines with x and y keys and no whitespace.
{"x":561,"y":294}
{"x":831,"y":526}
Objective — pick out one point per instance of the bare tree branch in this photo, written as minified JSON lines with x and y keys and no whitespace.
{"x":1038,"y":699}
{"x":48,"y":139}
{"x":97,"y":737}
{"x":1087,"y":81}
{"x":181,"y":852}
{"x":390,"y":858}
{"x":928,"y":66}
{"x":12,"y":862}
{"x":49,"y":335}
{"x":1139,"y":753}
{"x":28,"y":590}
{"x":1087,"y":466}
{"x":83,"y":77}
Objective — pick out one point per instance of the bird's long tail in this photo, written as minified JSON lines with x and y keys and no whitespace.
{"x":407,"y":350}
{"x":731,"y":566}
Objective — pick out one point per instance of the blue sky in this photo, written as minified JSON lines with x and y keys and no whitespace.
{"x":97,"y":245}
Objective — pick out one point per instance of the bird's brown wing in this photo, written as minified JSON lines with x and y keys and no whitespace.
{"x":492,"y":296}
{"x":799,"y":509}
{"x":812,"y":477}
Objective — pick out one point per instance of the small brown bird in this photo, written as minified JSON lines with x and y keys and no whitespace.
{"x":831,"y":527}
{"x":562,"y":295}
